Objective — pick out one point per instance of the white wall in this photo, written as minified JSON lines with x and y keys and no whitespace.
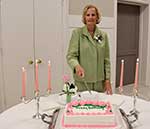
{"x":143,"y":46}
{"x":2,"y":99}
{"x":29,"y":30}
{"x":105,"y":6}
{"x":1,"y":91}
{"x":1,"y":75}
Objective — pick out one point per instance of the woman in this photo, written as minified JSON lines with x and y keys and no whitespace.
{"x":88,"y":54}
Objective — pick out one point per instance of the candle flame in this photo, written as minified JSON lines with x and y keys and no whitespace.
{"x":49,"y":62}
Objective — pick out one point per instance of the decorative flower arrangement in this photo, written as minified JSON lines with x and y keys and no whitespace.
{"x":68,"y":89}
{"x":98,"y":38}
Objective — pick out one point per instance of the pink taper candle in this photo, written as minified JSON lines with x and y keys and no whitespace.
{"x":121,"y":75}
{"x":136,"y":74}
{"x":49,"y":75}
{"x":36,"y":77}
{"x":23,"y":82}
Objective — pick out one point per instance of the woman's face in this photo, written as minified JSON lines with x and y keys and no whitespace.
{"x":91,"y":17}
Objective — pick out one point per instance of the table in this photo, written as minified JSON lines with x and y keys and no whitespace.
{"x":20,"y":116}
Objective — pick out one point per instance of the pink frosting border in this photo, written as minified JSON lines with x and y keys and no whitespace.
{"x":86,"y":126}
{"x":69,"y":108}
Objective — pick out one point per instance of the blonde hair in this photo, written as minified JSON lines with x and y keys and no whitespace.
{"x":85,"y":11}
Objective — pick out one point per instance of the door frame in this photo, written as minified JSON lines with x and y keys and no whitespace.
{"x":2,"y":93}
{"x":143,"y":35}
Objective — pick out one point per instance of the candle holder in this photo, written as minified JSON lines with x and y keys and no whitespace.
{"x":37,"y":98}
{"x":134,"y":112}
{"x":24,"y":100}
{"x":48,"y":92}
{"x":133,"y":115}
{"x":121,"y":90}
{"x":135,"y":94}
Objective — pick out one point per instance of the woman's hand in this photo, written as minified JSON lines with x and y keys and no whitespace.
{"x":79,"y":71}
{"x":108,"y":88}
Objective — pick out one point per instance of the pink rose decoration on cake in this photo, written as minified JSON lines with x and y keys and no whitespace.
{"x":74,"y":103}
{"x":82,"y":103}
{"x":102,"y":103}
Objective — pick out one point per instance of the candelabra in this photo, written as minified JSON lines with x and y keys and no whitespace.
{"x":36,"y":93}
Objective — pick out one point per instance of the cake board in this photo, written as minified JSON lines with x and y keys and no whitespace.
{"x":121,"y":124}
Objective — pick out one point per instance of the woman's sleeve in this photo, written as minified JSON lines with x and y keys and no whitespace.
{"x":107,"y":65}
{"x":73,"y":50}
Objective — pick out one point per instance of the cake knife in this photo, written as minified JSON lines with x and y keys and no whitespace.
{"x":85,"y":83}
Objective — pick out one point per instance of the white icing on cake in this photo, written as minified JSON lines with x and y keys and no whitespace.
{"x":89,"y":114}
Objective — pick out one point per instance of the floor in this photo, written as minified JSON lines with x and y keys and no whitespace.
{"x":143,"y":91}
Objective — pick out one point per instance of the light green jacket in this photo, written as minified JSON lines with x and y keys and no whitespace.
{"x":91,"y":54}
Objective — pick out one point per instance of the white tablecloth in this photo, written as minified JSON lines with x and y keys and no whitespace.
{"x":20,"y":116}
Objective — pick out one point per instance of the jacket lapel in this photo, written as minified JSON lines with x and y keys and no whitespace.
{"x":87,"y":34}
{"x":97,"y":32}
